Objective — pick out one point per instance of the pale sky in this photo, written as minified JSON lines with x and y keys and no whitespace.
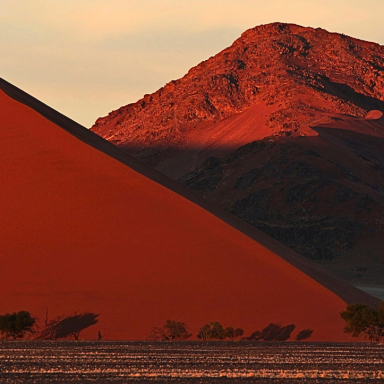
{"x":88,"y":57}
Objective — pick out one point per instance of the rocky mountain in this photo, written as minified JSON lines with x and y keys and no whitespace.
{"x":273,"y":129}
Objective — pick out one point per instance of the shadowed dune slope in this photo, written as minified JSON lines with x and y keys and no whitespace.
{"x":82,"y":231}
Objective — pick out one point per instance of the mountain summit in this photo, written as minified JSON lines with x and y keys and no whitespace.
{"x":276,"y":79}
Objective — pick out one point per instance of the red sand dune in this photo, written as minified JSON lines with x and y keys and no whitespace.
{"x":82,"y":231}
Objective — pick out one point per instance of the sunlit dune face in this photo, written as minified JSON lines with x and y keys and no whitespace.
{"x":83,"y":232}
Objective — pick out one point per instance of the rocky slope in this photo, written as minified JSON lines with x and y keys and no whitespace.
{"x":276,"y":84}
{"x":326,"y":204}
{"x":286,"y":72}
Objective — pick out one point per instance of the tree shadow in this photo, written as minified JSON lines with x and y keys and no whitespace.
{"x":70,"y":326}
{"x":304,"y":334}
{"x":273,"y":332}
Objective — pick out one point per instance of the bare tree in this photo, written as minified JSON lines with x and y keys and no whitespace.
{"x":54,"y":325}
{"x":64,"y":326}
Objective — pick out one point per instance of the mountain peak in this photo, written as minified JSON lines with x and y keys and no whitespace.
{"x":285,"y":78}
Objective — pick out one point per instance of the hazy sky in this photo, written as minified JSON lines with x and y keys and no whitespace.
{"x":88,"y":57}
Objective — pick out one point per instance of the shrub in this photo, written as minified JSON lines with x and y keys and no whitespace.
{"x":233,"y":333}
{"x":17,"y":325}
{"x":364,"y":321}
{"x":211,"y":331}
{"x":171,"y":330}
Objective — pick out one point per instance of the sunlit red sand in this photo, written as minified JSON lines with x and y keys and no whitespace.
{"x":82,"y":231}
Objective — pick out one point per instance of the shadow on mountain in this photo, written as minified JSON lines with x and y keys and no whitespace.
{"x":304,"y":334}
{"x":345,"y":92}
{"x":70,"y":326}
{"x":273,"y":332}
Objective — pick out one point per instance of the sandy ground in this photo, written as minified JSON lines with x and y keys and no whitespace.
{"x":190,"y":362}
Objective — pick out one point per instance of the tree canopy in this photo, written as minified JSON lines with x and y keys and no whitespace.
{"x":17,"y":325}
{"x":364,"y":321}
{"x":233,"y":333}
{"x":171,"y":330}
{"x":212,"y":331}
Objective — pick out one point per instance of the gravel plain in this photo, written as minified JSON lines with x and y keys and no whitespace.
{"x":190,"y":362}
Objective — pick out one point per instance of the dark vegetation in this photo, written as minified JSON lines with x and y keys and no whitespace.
{"x":171,"y":330}
{"x":233,"y":333}
{"x":23,"y":325}
{"x":63,"y":326}
{"x":212,"y":331}
{"x":17,"y":325}
{"x":360,"y":321}
{"x":364,"y":321}
{"x":175,"y":330}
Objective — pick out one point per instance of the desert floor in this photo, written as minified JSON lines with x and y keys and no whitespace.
{"x":190,"y":362}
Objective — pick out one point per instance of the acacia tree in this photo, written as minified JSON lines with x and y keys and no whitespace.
{"x":17,"y":325}
{"x":171,"y":330}
{"x":211,"y":331}
{"x":362,"y":320}
{"x":233,"y":333}
{"x":204,"y":332}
